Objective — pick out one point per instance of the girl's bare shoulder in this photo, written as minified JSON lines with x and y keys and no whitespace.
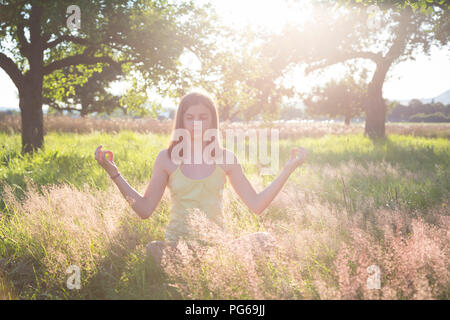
{"x":229,"y":160}
{"x":165,"y":162}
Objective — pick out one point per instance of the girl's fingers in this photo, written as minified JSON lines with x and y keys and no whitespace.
{"x":109,"y":153}
{"x":299,"y":153}
{"x":101,"y":155}
{"x":292,"y":153}
{"x":302,"y":152}
{"x":97,"y":152}
{"x":296,"y":152}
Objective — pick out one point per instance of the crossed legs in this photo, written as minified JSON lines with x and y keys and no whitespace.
{"x":257,"y":242}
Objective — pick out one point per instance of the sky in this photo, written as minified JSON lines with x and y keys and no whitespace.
{"x":425,"y":77}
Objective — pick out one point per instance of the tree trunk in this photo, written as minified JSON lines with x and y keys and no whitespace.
{"x":83,"y":111}
{"x":32,"y":121}
{"x":375,"y":115}
{"x":347,"y":120}
{"x":30,"y":94}
{"x":375,"y":106}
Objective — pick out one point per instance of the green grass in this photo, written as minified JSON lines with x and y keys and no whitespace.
{"x":348,"y":172}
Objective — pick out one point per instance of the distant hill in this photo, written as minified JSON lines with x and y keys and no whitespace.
{"x":9,"y":110}
{"x":443,"y":98}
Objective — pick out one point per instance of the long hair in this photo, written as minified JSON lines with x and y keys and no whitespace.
{"x":188,"y":100}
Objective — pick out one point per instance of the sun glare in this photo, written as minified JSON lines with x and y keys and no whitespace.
{"x":268,"y":14}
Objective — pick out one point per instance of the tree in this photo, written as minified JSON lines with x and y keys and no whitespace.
{"x":344,"y":97}
{"x":414,"y":107}
{"x":44,"y":57}
{"x":290,"y":112}
{"x":400,"y":34}
{"x":274,"y":63}
{"x":224,"y":76}
{"x":245,"y":74}
{"x":441,"y":25}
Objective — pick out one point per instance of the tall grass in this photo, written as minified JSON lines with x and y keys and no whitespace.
{"x":353,"y":204}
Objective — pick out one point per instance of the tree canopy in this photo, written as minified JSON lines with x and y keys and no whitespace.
{"x":348,"y":33}
{"x":50,"y":62}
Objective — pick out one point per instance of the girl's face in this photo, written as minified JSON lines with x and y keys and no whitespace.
{"x":201,"y":115}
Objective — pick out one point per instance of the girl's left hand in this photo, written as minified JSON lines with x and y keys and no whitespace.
{"x":107,"y":164}
{"x":298,"y":157}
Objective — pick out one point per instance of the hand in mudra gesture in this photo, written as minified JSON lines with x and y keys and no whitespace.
{"x":107,"y":164}
{"x":298,"y":157}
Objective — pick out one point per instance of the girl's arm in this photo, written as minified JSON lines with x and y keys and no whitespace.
{"x":257,"y":202}
{"x":146,"y":204}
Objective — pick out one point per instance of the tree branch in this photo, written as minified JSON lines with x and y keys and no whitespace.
{"x":399,"y":44}
{"x":23,"y":43}
{"x":12,"y":70}
{"x":76,"y":60}
{"x":55,"y":106}
{"x":376,"y":57}
{"x":35,"y":28}
{"x":69,"y":38}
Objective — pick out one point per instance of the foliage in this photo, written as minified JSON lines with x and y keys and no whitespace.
{"x":439,"y":8}
{"x":244,"y":75}
{"x":345,"y":97}
{"x":404,"y":113}
{"x":49,"y":62}
{"x":432,"y":117}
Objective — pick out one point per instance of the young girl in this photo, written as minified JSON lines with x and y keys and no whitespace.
{"x":197,"y":185}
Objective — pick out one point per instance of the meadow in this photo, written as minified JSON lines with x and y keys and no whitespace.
{"x":355,"y":203}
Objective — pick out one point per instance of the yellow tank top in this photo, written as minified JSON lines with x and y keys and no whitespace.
{"x":205,"y":194}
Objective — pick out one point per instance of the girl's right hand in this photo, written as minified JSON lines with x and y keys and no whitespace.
{"x":298,"y":157}
{"x":107,"y":164}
